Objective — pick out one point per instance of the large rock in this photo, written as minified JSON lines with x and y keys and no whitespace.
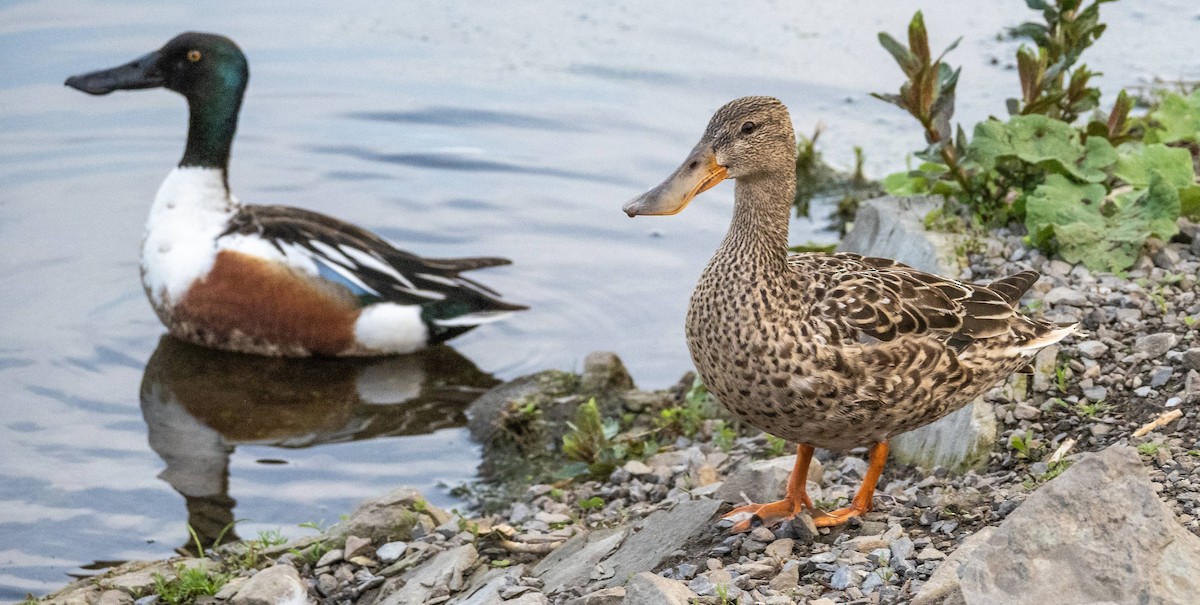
{"x":572,"y":563}
{"x":1096,"y":533}
{"x":662,"y":533}
{"x":276,"y":585}
{"x":603,"y":372}
{"x":891,"y":227}
{"x":486,"y":586}
{"x":391,"y":516}
{"x":442,"y":575}
{"x":649,"y":589}
{"x":764,"y":480}
{"x":943,"y":587}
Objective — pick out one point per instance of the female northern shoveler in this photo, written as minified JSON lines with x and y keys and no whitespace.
{"x":828,"y":350}
{"x":275,"y":280}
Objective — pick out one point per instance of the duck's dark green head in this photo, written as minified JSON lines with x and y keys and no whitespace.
{"x":193,"y":64}
{"x":208,"y":69}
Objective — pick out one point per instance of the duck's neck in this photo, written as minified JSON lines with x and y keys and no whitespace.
{"x":212,"y":122}
{"x":759,"y":231}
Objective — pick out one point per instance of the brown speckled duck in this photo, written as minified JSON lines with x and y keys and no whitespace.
{"x":828,"y":350}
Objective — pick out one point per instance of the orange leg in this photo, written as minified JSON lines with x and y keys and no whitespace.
{"x":866,"y":492}
{"x":795,"y":501}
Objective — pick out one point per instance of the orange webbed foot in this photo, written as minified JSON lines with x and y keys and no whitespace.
{"x":773,"y":513}
{"x":837,"y":517}
{"x":767,"y":515}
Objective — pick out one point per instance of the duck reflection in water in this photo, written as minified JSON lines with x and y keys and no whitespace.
{"x":200,"y":404}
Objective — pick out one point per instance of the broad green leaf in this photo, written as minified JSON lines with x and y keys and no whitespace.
{"x":1073,"y":216}
{"x":1039,"y":140}
{"x":1189,"y":202}
{"x":904,"y":184}
{"x":1137,"y":162}
{"x":1178,"y":119}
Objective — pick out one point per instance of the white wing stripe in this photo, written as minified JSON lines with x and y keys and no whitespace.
{"x":372,"y":262}
{"x":330,"y":252}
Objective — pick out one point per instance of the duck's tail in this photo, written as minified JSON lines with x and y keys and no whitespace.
{"x":1035,"y":335}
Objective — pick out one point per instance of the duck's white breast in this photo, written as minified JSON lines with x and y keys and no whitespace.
{"x":190,"y":211}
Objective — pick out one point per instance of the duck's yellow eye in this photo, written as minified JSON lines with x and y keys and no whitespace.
{"x":193,"y":55}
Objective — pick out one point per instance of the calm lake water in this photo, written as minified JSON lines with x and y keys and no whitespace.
{"x":450,"y":128}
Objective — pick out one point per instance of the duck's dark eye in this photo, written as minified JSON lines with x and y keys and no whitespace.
{"x":193,"y":55}
{"x":748,"y":127}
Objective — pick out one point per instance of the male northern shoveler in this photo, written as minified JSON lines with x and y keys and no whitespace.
{"x":828,"y":350}
{"x":275,"y":280}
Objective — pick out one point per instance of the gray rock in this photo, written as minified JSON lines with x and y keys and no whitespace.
{"x":114,"y":597}
{"x":930,"y":553}
{"x":1153,"y":346}
{"x":1073,"y":543}
{"x":960,"y":441}
{"x":391,"y":551}
{"x":1093,"y":349}
{"x":648,"y":589}
{"x":486,"y":586}
{"x":1024,"y":411}
{"x":943,"y":586}
{"x":604,"y":596}
{"x":1062,"y":295}
{"x":902,"y":548}
{"x":140,"y":580}
{"x":1096,"y":393}
{"x":871,"y":582}
{"x":446,"y":569}
{"x":529,"y":598}
{"x":842,"y":578}
{"x":702,"y":585}
{"x":572,"y":563}
{"x":662,"y":533}
{"x":1191,"y":359}
{"x":483,"y":412}
{"x":274,"y":585}
{"x":1160,"y":376}
{"x":331,"y":557}
{"x":355,"y":546}
{"x":764,"y":480}
{"x":894,"y":228}
{"x":391,"y":516}
{"x":603,"y":372}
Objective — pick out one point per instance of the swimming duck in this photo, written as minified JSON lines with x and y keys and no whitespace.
{"x":828,"y":350}
{"x":275,"y":280}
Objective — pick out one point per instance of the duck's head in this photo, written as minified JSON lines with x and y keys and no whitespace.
{"x":749,"y":137}
{"x":195,"y":65}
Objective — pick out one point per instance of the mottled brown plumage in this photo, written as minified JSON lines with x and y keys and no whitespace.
{"x":829,"y":350}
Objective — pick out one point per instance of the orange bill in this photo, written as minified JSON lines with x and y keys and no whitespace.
{"x":697,"y":174}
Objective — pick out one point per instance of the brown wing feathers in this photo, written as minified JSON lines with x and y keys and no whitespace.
{"x":883,"y":298}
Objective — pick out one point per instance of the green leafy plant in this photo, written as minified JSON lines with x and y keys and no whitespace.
{"x":590,"y":441}
{"x":1093,"y":194}
{"x":1090,"y":410}
{"x":1050,"y":83}
{"x":775,"y":446}
{"x":1149,"y":448}
{"x":1061,"y":374}
{"x":724,"y":435}
{"x":593,"y":503}
{"x":687,"y":419}
{"x":1025,"y":445}
{"x":188,"y":584}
